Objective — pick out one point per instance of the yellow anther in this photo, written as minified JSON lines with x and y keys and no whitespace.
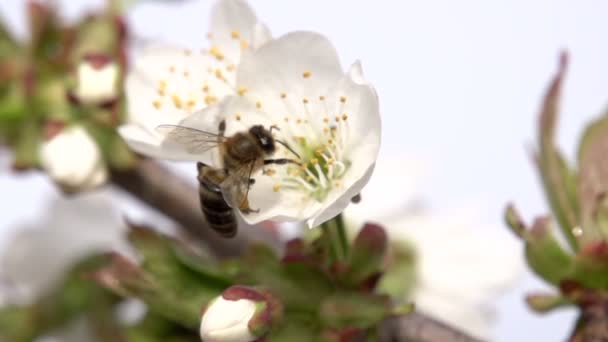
{"x":299,"y":121}
{"x":162,"y":84}
{"x":215,"y":52}
{"x":242,"y":91}
{"x":344,"y":116}
{"x":306,"y":74}
{"x":209,"y":100}
{"x":230,"y":67}
{"x":343,"y":99}
{"x":326,"y":120}
{"x":322,"y":98}
{"x":330,"y":141}
{"x":305,"y":100}
{"x":314,"y":161}
{"x":238,"y":117}
{"x":244,"y":44}
{"x":319,"y":152}
{"x":157,"y":104}
{"x":302,"y":140}
{"x":286,"y":119}
{"x":235,"y":34}
{"x":191,"y":103}
{"x":161,"y":91}
{"x":330,"y":161}
{"x":218,"y":74}
{"x":269,"y":172}
{"x":326,"y":130}
{"x":276,"y":187}
{"x":258,"y":105}
{"x":309,"y":178}
{"x":283,"y":95}
{"x":206,"y":88}
{"x":337,"y":119}
{"x":177,"y":102}
{"x":186,"y":73}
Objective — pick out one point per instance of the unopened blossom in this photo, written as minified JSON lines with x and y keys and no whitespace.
{"x":239,"y":314}
{"x":168,"y":83}
{"x":329,"y":119}
{"x":459,"y":269}
{"x":73,"y":159}
{"x":97,"y":80}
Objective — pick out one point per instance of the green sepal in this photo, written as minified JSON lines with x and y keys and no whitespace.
{"x":366,"y":257}
{"x":399,"y":277}
{"x":545,"y":302}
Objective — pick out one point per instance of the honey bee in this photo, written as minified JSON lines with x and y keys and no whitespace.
{"x":221,"y":190}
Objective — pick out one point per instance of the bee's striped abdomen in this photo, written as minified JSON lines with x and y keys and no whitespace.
{"x":219,"y":215}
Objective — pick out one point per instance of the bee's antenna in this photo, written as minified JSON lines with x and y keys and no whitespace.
{"x":274,"y":127}
{"x":289,"y":148}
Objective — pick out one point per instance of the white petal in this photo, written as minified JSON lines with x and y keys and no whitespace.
{"x":299,"y":64}
{"x":227,"y":321}
{"x":232,"y":28}
{"x":72,"y":158}
{"x":168,"y":83}
{"x":261,"y":35}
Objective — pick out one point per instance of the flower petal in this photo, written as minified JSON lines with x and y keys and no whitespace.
{"x":233,"y":24}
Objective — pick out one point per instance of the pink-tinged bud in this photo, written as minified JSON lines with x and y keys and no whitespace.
{"x":97,"y":80}
{"x":343,"y":335}
{"x":597,"y":250}
{"x":367,"y":255}
{"x":240,"y":314}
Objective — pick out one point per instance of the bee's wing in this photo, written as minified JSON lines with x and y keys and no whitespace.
{"x":193,"y":140}
{"x":235,"y":187}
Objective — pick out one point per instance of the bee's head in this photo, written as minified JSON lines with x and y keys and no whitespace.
{"x":263,"y":137}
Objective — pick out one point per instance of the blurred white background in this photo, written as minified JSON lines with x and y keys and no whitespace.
{"x":459,"y":83}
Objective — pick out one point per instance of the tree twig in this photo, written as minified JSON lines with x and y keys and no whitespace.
{"x":417,"y":327}
{"x":161,"y":189}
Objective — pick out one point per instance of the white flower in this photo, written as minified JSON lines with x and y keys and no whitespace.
{"x":38,"y":256}
{"x":329,"y":118}
{"x":168,"y":83}
{"x":228,"y":321}
{"x":73,"y":159}
{"x":97,"y":82}
{"x":459,"y":270}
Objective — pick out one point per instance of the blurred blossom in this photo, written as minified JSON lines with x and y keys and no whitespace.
{"x":36,"y":258}
{"x":73,"y":159}
{"x":168,"y":83}
{"x":98,"y":77}
{"x":454,"y":268}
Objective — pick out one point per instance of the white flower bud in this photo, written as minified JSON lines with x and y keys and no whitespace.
{"x":228,"y":321}
{"x":73,"y":159}
{"x":97,"y":80}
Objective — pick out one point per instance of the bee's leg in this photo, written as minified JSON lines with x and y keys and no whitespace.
{"x":246,"y":209}
{"x":222,"y":128}
{"x":280,"y":161}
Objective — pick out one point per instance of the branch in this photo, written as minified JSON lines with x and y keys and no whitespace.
{"x":416,"y":327}
{"x":161,"y":189}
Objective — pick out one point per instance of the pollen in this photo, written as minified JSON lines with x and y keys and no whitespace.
{"x":258,"y":104}
{"x":283,"y":95}
{"x":286,"y":119}
{"x":157,"y":104}
{"x":269,"y":172}
{"x":326,"y":120}
{"x":344,"y":117}
{"x":299,"y":121}
{"x":191,"y":103}
{"x":244,"y":44}
{"x":161,"y":91}
{"x":242,"y":91}
{"x":219,"y":74}
{"x":238,"y":117}
{"x":206,"y":88}
{"x":162,"y":84}
{"x":235,"y":35}
{"x":209,"y":100}
{"x":186,"y":73}
{"x":177,"y":101}
{"x":321,"y":98}
{"x":305,"y":100}
{"x":337,"y":119}
{"x":306,"y":74}
{"x":217,"y":53}
{"x":276,"y":187}
{"x":343,"y":99}
{"x":314,"y":161}
{"x":230,"y":67}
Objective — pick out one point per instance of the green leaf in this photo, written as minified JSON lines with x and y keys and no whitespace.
{"x":543,"y":302}
{"x":545,"y":255}
{"x":353,"y":310}
{"x":399,"y":277}
{"x":558,"y":178}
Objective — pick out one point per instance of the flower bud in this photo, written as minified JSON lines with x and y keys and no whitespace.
{"x":97,"y":80}
{"x":240,"y":314}
{"x":73,"y":159}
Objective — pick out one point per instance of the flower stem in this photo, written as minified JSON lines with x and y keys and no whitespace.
{"x":334,"y":234}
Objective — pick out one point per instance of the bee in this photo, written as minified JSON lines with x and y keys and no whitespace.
{"x":221,"y":190}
